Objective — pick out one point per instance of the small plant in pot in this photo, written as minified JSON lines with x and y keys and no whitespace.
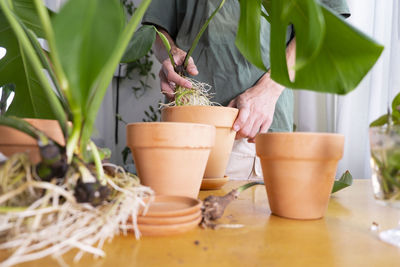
{"x":71,"y":198}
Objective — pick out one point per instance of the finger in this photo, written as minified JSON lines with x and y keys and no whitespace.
{"x":263,"y":129}
{"x":255,"y":129}
{"x":166,"y":88}
{"x":241,"y":119}
{"x":247,"y":127}
{"x":172,"y":76}
{"x":191,"y":67}
{"x":232,"y":103}
{"x":265,"y":126}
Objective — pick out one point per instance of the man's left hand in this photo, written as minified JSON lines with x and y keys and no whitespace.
{"x":256,"y":108}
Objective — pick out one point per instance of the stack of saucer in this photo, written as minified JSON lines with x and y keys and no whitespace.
{"x":168,"y":215}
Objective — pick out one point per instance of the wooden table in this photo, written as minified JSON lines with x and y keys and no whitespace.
{"x":342,"y":238}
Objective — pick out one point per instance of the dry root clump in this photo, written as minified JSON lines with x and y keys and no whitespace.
{"x":214,"y":207}
{"x":39,"y":219}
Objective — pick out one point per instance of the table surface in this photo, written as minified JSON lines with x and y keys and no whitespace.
{"x":342,"y":238}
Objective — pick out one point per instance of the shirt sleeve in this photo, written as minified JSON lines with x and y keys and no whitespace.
{"x":162,"y":13}
{"x":338,"y":6}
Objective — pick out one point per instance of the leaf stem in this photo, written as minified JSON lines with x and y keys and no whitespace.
{"x":48,"y":30}
{"x":199,"y":34}
{"x":167,"y":45}
{"x":97,"y":162}
{"x":245,"y":186}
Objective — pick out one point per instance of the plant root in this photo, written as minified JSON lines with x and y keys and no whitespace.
{"x":40,"y":218}
{"x":198,"y":95}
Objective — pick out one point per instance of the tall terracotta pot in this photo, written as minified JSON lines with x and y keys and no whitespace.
{"x":171,"y":157}
{"x":299,"y":171}
{"x":222,"y":118}
{"x":13,"y":141}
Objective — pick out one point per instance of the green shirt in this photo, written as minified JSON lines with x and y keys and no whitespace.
{"x":219,"y":62}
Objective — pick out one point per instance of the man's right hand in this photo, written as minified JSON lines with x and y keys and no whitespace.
{"x":168,"y":77}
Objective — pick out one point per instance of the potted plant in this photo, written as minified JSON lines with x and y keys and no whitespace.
{"x":70,"y":191}
{"x":194,"y":105}
{"x":299,"y":168}
{"x":385,"y":152}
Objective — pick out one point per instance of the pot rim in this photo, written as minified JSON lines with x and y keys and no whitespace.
{"x":161,"y":123}
{"x":301,"y":133}
{"x":201,"y":107}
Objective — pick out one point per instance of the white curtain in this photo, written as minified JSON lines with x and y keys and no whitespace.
{"x":351,"y":114}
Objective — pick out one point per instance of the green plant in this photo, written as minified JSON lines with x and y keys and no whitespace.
{"x":385,"y":152}
{"x":331,"y":55}
{"x":87,"y":40}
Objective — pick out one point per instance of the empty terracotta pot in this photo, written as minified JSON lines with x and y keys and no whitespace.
{"x":222,"y":118}
{"x":171,"y":157}
{"x":13,"y":141}
{"x":299,"y":171}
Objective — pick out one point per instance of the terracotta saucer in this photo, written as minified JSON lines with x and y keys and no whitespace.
{"x":172,"y":206}
{"x":213,"y":183}
{"x":169,"y":229}
{"x":168,"y":220}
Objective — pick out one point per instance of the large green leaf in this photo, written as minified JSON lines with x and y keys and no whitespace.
{"x":29,"y":100}
{"x":248,"y":34}
{"x":331,"y":55}
{"x":345,"y":181}
{"x":86,"y":33}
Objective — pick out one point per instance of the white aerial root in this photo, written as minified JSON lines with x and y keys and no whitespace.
{"x":50,"y":225}
{"x":198,"y":95}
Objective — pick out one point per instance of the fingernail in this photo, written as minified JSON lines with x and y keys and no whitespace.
{"x":236,"y":127}
{"x":188,"y":85}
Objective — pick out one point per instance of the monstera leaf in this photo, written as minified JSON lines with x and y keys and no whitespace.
{"x":29,"y":99}
{"x":331,"y":55}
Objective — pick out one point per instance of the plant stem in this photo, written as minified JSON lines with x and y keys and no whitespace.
{"x":46,"y":25}
{"x":167,"y":45}
{"x":97,"y":162}
{"x":23,"y":126}
{"x":73,"y":139}
{"x":244,"y":187}
{"x":198,"y":36}
{"x":36,"y":65}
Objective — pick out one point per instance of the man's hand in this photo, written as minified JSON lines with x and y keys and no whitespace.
{"x":256,"y":108}
{"x":257,"y":104}
{"x":168,"y":77}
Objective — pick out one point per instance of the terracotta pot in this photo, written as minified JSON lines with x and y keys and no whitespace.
{"x":171,"y":157}
{"x":299,"y":171}
{"x":13,"y":141}
{"x":222,"y":118}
